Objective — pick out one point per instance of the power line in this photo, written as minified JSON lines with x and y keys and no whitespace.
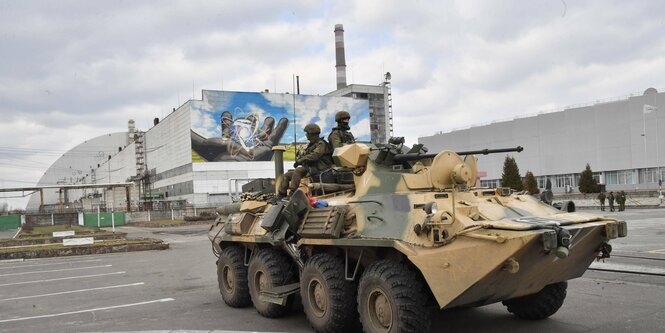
{"x":18,"y":181}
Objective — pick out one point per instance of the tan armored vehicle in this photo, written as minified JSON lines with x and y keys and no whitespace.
{"x":403,"y":232}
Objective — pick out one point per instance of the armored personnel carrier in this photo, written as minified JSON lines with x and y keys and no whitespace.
{"x":396,"y":234}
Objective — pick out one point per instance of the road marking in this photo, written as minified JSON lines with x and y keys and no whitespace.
{"x":88,"y":310}
{"x":611,"y":267}
{"x":49,"y":264}
{"x":60,"y":279}
{"x":185,"y":331}
{"x":657,"y":251}
{"x":56,"y":270}
{"x":73,"y":291}
{"x":638,"y":284}
{"x":11,"y":260}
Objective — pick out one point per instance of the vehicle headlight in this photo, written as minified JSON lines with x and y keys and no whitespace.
{"x":431,"y":208}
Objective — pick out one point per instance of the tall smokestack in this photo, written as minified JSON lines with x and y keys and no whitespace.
{"x":339,"y":56}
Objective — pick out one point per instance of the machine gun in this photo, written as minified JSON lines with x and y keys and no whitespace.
{"x":419,"y":156}
{"x":392,"y":153}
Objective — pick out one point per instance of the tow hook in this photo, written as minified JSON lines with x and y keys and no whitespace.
{"x":563,"y":241}
{"x":604,"y":251}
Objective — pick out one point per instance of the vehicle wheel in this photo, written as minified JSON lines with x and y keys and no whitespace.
{"x":269,"y":268}
{"x":327,"y":297}
{"x":232,"y":277}
{"x":539,"y":305}
{"x":392,"y":298}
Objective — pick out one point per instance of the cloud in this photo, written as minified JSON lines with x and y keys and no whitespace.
{"x":75,"y":70}
{"x":204,"y":124}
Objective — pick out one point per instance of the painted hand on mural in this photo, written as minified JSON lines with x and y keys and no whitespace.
{"x":242,"y":139}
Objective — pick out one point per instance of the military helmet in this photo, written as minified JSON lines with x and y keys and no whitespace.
{"x":342,"y":115}
{"x":312,"y":129}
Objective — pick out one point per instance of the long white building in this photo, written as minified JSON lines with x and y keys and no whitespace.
{"x":202,"y":152}
{"x":623,"y":141}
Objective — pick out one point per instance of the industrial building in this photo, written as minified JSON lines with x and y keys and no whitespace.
{"x":200,"y":154}
{"x":622,"y":140}
{"x":203,"y":151}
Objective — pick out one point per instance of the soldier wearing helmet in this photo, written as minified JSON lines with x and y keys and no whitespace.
{"x":341,"y":134}
{"x":315,"y":159}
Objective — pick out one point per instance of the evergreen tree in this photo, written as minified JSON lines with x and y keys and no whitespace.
{"x":587,"y":183}
{"x":530,"y":184}
{"x":511,"y":175}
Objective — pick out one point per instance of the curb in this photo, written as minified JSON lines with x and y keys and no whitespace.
{"x":52,"y":240}
{"x":83,"y":250}
{"x":138,"y":224}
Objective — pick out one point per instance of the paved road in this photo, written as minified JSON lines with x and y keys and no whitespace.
{"x":176,"y":289}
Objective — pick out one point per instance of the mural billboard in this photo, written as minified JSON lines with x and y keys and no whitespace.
{"x":244,"y":126}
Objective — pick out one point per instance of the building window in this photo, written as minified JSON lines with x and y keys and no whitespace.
{"x":625,"y":177}
{"x":620,"y":177}
{"x":491,"y":183}
{"x":649,"y":175}
{"x":595,"y":175}
{"x":564,"y":180}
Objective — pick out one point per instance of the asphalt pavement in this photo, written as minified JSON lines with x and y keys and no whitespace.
{"x":175,"y":290}
{"x":8,"y":233}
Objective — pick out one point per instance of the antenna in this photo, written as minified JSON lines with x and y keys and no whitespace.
{"x":295,"y":131}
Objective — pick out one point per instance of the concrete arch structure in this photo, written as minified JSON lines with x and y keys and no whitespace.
{"x":78,"y":163}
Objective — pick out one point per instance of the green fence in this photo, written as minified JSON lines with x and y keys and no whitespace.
{"x":10,"y":222}
{"x":90,"y":219}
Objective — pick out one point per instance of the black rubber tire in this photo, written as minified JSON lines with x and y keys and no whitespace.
{"x":539,"y":305}
{"x":275,"y":269}
{"x":392,"y":285}
{"x":330,"y":312}
{"x":232,"y":277}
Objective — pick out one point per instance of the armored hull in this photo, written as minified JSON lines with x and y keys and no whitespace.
{"x":411,"y":232}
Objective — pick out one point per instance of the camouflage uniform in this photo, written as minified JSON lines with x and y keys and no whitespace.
{"x":339,"y":137}
{"x":610,"y":199}
{"x":601,"y":198}
{"x":622,"y":201}
{"x":316,"y":158}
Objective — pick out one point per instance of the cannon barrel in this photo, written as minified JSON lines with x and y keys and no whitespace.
{"x":490,"y":151}
{"x":418,"y":156}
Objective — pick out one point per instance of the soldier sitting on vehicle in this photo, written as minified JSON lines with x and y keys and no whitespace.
{"x":316,"y":158}
{"x":341,"y":134}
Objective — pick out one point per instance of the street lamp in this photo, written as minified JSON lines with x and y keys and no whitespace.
{"x":109,"y":163}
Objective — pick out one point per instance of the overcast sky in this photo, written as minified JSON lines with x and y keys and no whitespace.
{"x":74,"y":70}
